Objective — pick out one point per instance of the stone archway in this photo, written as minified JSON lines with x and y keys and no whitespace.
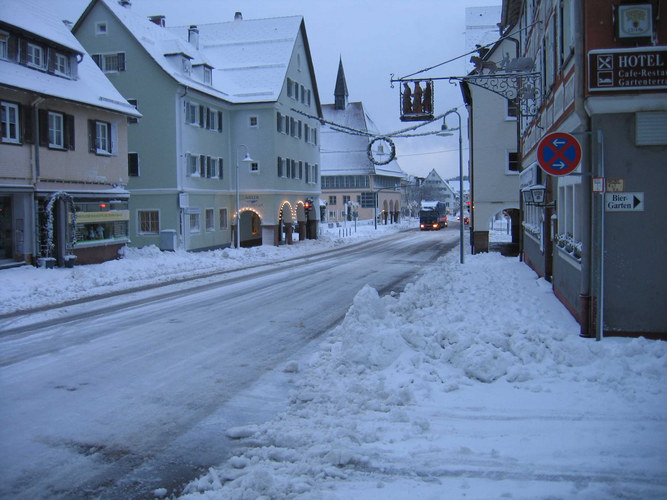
{"x":286,"y":224}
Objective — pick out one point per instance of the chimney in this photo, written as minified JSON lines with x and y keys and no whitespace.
{"x":159,"y":20}
{"x":238,"y":16}
{"x":193,"y":36}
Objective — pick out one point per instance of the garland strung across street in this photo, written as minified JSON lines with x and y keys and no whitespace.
{"x":376,"y":138}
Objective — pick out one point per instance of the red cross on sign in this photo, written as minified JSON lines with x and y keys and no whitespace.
{"x":558,"y":153}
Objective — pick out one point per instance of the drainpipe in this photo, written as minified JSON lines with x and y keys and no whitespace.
{"x":35,"y":132}
{"x":180,"y":119}
{"x":587,"y":269}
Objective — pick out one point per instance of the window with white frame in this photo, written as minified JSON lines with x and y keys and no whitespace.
{"x":191,"y":113}
{"x":194,"y":216}
{"x":62,"y":65}
{"x":10,"y":122}
{"x":4,"y":45}
{"x":254,"y":167}
{"x":223,"y":219}
{"x":56,"y":130}
{"x":512,"y":110}
{"x":148,"y":221}
{"x":101,"y":28}
{"x":253,"y":121}
{"x":210,"y":220}
{"x":279,"y":122}
{"x":110,"y":63}
{"x":570,"y":204}
{"x":35,"y":56}
{"x":192,"y":165}
{"x":208,"y":75}
{"x":102,"y":138}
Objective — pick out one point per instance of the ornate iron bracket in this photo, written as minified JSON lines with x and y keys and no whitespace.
{"x":523,"y":88}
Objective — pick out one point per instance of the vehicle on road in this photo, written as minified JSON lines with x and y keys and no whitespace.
{"x":432,"y":216}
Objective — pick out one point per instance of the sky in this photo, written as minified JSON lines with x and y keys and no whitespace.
{"x":374,"y":39}
{"x":434,"y":393}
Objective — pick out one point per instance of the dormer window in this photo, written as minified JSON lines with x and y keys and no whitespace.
{"x":62,"y":65}
{"x":4,"y":39}
{"x":35,"y":56}
{"x":208,"y":75}
{"x":187,"y":65}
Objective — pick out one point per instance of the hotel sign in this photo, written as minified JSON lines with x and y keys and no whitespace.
{"x":627,"y":69}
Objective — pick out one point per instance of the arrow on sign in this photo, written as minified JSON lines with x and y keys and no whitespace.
{"x":636,"y":201}
{"x":558,"y":142}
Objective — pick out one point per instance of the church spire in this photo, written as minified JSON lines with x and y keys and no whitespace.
{"x":340,"y":92}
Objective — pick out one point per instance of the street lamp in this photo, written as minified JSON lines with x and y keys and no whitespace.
{"x":245,"y":160}
{"x":444,"y":131}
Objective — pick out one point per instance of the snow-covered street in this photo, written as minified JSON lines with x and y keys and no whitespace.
{"x":472,"y":383}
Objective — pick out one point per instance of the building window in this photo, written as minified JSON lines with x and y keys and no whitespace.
{"x":56,"y":133}
{"x":279,"y":122}
{"x":194,"y":222}
{"x":210,"y":220}
{"x":253,"y":121}
{"x":101,"y":28}
{"x":208,"y":75}
{"x":149,"y":221}
{"x":513,"y":162}
{"x":221,"y":170}
{"x":102,"y":138}
{"x":132,"y":119}
{"x":110,"y":63}
{"x":133,"y":164}
{"x":35,"y":56}
{"x":62,"y":65}
{"x":289,"y":88}
{"x":367,"y":199}
{"x":10,"y":122}
{"x":223,"y":218}
{"x":4,"y":47}
{"x":512,"y":109}
{"x":280,"y":167}
{"x":191,"y":165}
{"x":346,"y":200}
{"x":254,"y":167}
{"x":191,"y":113}
{"x":332,"y":200}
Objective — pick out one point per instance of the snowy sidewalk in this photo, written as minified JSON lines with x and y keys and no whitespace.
{"x":473,"y":383}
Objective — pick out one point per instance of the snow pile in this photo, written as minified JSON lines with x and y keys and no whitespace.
{"x":397,"y":401}
{"x":27,"y":287}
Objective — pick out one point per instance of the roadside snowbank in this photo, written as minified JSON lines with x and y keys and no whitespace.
{"x":473,"y":383}
{"x":27,"y":287}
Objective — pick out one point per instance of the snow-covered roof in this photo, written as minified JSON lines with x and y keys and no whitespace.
{"x":92,"y":87}
{"x":160,"y":43}
{"x":249,"y":57}
{"x":41,"y":18}
{"x":346,"y":154}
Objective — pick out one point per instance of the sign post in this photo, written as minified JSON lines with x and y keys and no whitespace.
{"x":559,"y":153}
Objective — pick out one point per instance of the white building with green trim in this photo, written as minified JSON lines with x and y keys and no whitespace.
{"x":217,"y":100}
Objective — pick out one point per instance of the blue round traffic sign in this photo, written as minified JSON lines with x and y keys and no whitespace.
{"x":558,"y":153}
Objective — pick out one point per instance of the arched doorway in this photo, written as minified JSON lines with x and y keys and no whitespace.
{"x":286,"y":224}
{"x":251,"y":228}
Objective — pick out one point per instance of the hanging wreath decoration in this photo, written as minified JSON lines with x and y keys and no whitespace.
{"x":392,"y":150}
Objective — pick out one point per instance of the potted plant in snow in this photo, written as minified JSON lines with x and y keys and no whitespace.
{"x":69,"y":260}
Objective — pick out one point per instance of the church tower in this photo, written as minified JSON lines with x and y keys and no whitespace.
{"x":340,"y":92}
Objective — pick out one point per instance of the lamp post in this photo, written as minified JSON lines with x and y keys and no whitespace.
{"x":246,"y":160}
{"x":444,"y":131}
